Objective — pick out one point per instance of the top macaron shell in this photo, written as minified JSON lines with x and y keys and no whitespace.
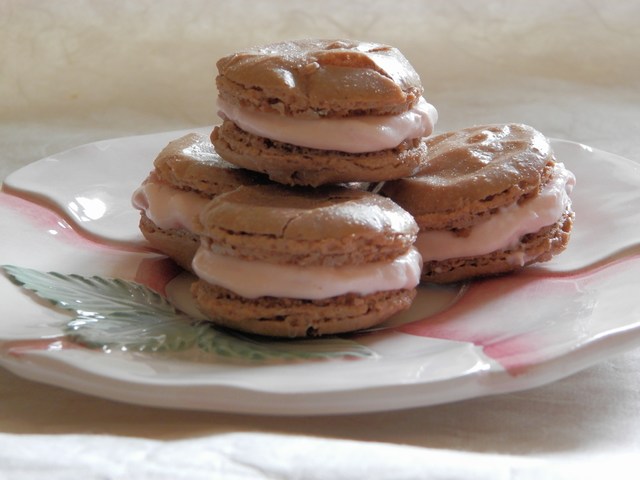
{"x":329,"y":226}
{"x":191,"y":163}
{"x":478,"y":168}
{"x":320,"y":78}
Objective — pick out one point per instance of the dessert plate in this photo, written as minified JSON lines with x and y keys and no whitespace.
{"x":87,"y":306}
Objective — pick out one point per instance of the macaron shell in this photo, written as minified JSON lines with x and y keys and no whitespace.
{"x":320,"y":78}
{"x":293,"y":165}
{"x":191,"y":162}
{"x":286,"y":317}
{"x":329,"y":226}
{"x":477,"y":168}
{"x":177,"y":243}
{"x":306,"y":214}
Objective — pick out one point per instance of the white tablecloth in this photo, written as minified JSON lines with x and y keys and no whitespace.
{"x":76,"y":71}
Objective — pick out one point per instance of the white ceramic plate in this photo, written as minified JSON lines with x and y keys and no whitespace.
{"x":71,"y":214}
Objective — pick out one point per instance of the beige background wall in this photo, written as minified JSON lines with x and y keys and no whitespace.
{"x":73,"y":71}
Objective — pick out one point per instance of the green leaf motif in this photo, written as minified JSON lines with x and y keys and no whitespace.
{"x":252,"y":347}
{"x":116,"y":314}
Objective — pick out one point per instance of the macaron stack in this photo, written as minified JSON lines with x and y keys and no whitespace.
{"x":272,"y":220}
{"x":275,"y":214}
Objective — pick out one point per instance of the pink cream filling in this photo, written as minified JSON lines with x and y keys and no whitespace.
{"x":351,"y":135}
{"x":505,"y":228}
{"x":168,"y":207}
{"x":251,"y":279}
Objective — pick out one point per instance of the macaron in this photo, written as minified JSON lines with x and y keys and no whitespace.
{"x":187,"y":174}
{"x":298,"y":262}
{"x":314,"y":112}
{"x":489,"y":200}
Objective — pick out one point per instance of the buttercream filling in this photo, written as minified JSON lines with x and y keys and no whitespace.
{"x":358,"y":134}
{"x":504,"y":229}
{"x":168,"y":207}
{"x":253,"y":279}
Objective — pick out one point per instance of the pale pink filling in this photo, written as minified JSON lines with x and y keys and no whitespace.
{"x":350,"y":134}
{"x":505,"y":228}
{"x":168,"y":207}
{"x":252,"y":279}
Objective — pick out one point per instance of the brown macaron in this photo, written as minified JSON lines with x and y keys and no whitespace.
{"x":312,"y":112}
{"x":295,"y":262}
{"x":187,"y":174}
{"x":489,"y":199}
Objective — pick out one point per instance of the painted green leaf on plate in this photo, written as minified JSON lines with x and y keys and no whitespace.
{"x":116,"y":314}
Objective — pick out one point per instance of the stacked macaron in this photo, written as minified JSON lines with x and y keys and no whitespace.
{"x":272,"y":221}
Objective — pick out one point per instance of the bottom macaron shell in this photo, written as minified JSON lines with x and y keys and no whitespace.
{"x":288,"y":317}
{"x":179,"y":244}
{"x":292,"y":165}
{"x":536,"y":247}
